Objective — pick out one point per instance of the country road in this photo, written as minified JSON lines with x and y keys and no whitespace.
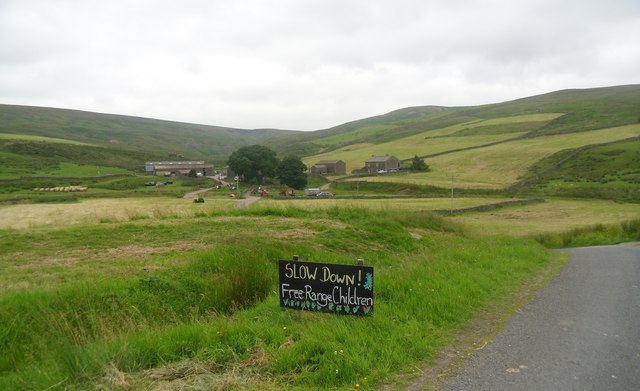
{"x":581,"y":332}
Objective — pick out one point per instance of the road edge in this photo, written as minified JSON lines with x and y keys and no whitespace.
{"x":478,"y":333}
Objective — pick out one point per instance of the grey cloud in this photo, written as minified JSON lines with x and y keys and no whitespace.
{"x":306,"y":64}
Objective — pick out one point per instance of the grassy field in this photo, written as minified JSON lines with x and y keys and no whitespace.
{"x":515,"y":125}
{"x":81,"y":170}
{"x":399,"y":204}
{"x":110,"y":186}
{"x":30,"y":158}
{"x":500,"y":165}
{"x":355,"y":155}
{"x":126,"y":295}
{"x":104,"y":210}
{"x":162,"y":293}
{"x":440,"y":140}
{"x":41,"y":139}
{"x":609,"y":171}
{"x":64,"y":170}
{"x":552,"y":216}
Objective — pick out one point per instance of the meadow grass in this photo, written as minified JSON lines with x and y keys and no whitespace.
{"x":26,"y":137}
{"x":513,"y":124}
{"x":433,"y":141}
{"x":594,"y":235}
{"x":26,"y":190}
{"x":80,"y":170}
{"x":355,"y":155}
{"x":498,"y":166}
{"x":26,"y":158}
{"x":412,"y":204}
{"x":554,"y":216}
{"x":104,"y":210}
{"x":121,"y":316}
{"x":609,"y":171}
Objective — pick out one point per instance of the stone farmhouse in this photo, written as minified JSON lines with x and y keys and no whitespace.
{"x":382,"y":163}
{"x":329,"y":167}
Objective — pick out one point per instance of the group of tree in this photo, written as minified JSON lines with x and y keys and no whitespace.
{"x":256,"y":163}
{"x":418,"y":164}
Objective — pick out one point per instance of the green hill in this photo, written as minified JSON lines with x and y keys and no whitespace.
{"x":131,"y":133}
{"x":581,"y":110}
{"x":609,"y":170}
{"x":20,"y":157}
{"x":494,"y":146}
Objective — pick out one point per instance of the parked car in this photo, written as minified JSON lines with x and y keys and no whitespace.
{"x":324,"y":194}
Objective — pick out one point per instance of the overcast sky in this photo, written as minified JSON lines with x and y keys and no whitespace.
{"x":306,"y":64}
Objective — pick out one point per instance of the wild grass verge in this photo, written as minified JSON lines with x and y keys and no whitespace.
{"x":599,"y":234}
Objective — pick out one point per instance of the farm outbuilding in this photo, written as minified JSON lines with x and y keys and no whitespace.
{"x":329,"y":167}
{"x":227,"y":172}
{"x":382,"y":163}
{"x":178,"y":168}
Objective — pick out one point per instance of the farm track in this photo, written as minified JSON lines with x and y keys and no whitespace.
{"x":246,"y":202}
{"x":192,"y":194}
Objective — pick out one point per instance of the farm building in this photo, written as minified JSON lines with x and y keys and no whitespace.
{"x":382,"y":164}
{"x":178,"y":168}
{"x":227,"y":172}
{"x":329,"y":167}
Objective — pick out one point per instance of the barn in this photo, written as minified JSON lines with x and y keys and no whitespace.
{"x":178,"y":168}
{"x":385,"y":163}
{"x":329,"y":167}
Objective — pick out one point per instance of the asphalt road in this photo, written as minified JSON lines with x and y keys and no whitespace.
{"x":581,"y":332}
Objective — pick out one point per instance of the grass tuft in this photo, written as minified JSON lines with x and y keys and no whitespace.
{"x":595,"y":235}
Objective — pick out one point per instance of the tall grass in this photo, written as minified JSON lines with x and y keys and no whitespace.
{"x":218,"y":310}
{"x":220,"y":281}
{"x":599,"y":234}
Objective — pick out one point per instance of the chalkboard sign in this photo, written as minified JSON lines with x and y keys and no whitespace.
{"x":340,"y":289}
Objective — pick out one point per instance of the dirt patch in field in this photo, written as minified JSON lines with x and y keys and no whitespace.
{"x":138,"y":251}
{"x":293,"y":233}
{"x":125,"y":252}
{"x":50,"y":262}
{"x":195,"y":375}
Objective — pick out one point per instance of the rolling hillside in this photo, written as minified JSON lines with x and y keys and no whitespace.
{"x":131,"y":133}
{"x":492,"y":146}
{"x":498,"y":146}
{"x":581,"y":110}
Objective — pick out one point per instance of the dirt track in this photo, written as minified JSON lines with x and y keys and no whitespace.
{"x":246,"y":202}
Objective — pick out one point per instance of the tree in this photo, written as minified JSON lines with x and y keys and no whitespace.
{"x":254,"y":163}
{"x":291,"y":172}
{"x":418,"y":164}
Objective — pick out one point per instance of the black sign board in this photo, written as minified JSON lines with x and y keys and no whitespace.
{"x":340,"y":289}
